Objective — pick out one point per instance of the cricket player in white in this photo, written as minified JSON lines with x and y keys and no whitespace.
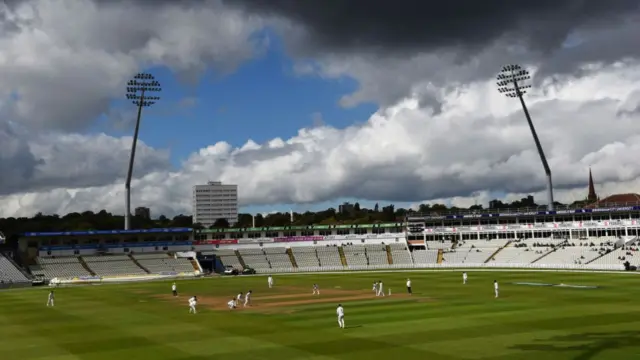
{"x":340,"y":312}
{"x":409,"y":287}
{"x":464,"y":278}
{"x":193,"y":301}
{"x":316,"y":289}
{"x":270,"y":281}
{"x":232,"y":304}
{"x":239,"y":298}
{"x":247,"y":298}
{"x":174,"y":289}
{"x":51,"y":299}
{"x":495,"y":287}
{"x":380,"y":289}
{"x":375,"y":287}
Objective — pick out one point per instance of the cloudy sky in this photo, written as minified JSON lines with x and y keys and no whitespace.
{"x":305,"y":104}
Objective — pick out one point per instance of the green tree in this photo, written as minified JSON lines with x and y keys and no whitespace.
{"x":220,"y":224}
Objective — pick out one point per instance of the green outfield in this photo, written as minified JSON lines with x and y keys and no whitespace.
{"x":442,"y":320}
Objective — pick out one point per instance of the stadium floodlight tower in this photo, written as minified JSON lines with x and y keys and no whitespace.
{"x":511,"y":82}
{"x":142,"y":91}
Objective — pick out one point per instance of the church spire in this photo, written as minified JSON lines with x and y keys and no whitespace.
{"x":592,"y":197}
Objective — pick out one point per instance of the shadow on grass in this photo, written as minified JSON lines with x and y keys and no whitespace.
{"x":353,"y":327}
{"x":588,"y":345}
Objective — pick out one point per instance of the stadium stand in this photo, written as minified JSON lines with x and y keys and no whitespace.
{"x":306,"y":257}
{"x":355,"y":255}
{"x":64,"y":267}
{"x":162,"y":263}
{"x":425,"y":256}
{"x":572,"y":255}
{"x":228,"y":257}
{"x":400,"y":254}
{"x":254,"y":258}
{"x":329,"y":256}
{"x":377,"y":254}
{"x":278,"y":258}
{"x":525,"y":251}
{"x":474,"y":251}
{"x":437,"y":245}
{"x":113,"y":265}
{"x":9,"y":273}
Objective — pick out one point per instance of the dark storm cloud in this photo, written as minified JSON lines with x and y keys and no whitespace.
{"x":379,"y":25}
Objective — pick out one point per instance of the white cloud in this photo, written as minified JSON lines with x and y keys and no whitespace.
{"x":63,"y":63}
{"x":443,"y":132}
{"x":478,"y":145}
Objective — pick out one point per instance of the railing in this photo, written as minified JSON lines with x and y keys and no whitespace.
{"x":601,"y":205}
{"x":497,"y":266}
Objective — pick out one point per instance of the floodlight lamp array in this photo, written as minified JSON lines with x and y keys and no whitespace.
{"x":139,"y":88}
{"x":510,"y":81}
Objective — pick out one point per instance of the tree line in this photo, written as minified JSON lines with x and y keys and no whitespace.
{"x":345,"y":214}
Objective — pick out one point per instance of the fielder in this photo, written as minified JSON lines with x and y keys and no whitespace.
{"x":193,"y":301}
{"x":408,"y":287}
{"x":51,"y":299}
{"x":375,"y":287}
{"x":340,"y":312}
{"x":232,"y":304}
{"x":495,"y":287}
{"x":316,"y":289}
{"x":464,"y":278}
{"x":380,"y":289}
{"x":270,"y":281}
{"x":174,"y":289}
{"x":247,"y":299}
{"x":239,"y":298}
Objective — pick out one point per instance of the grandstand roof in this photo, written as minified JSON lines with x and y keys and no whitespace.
{"x":618,"y":199}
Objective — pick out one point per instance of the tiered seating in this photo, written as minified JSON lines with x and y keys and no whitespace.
{"x":474,"y":251}
{"x":9,"y":273}
{"x":329,"y":256}
{"x":254,"y":258}
{"x":278,"y":258}
{"x":355,"y":255}
{"x":425,"y":256}
{"x":620,"y":256}
{"x":228,"y":258}
{"x":113,"y":265}
{"x":306,"y":257}
{"x":456,"y":256}
{"x":572,"y":255}
{"x":517,"y":253}
{"x":437,"y":245}
{"x":400,"y":254}
{"x":377,"y":254}
{"x":64,"y":267}
{"x":161,"y":262}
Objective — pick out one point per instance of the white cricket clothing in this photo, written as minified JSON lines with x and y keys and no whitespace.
{"x":270,"y":281}
{"x":231,"y":304}
{"x":192,"y":305}
{"x":340,"y":312}
{"x":408,"y":283}
{"x":380,"y":290}
{"x":246,"y":299}
{"x":495,"y":286}
{"x":239,"y":297}
{"x":50,"y":300}
{"x":173,"y":287}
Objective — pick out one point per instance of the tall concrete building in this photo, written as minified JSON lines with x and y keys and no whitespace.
{"x":143,"y":212}
{"x":214,"y":201}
